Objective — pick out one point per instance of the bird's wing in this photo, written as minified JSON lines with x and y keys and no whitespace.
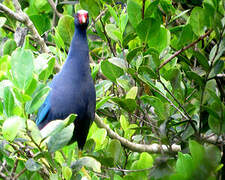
{"x":43,"y":110}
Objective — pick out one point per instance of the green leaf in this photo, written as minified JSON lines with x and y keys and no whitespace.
{"x":4,"y":66}
{"x":159,"y":106}
{"x":59,"y":41}
{"x":113,"y":13}
{"x":11,"y":127}
{"x":22,"y":68}
{"x":161,"y":40}
{"x":132,"y":93}
{"x":147,"y":72}
{"x":113,"y":32}
{"x":67,"y":172}
{"x":127,"y":104}
{"x":61,"y":138}
{"x":184,"y":165}
{"x":31,"y":165}
{"x":197,"y":21}
{"x":34,"y":131}
{"x":118,"y":62}
{"x":1,"y":108}
{"x":148,"y":29}
{"x":194,"y":76}
{"x":134,"y":12}
{"x":69,"y":120}
{"x":102,"y":87}
{"x":216,"y":53}
{"x":92,"y":6}
{"x":2,"y":21}
{"x":20,"y":96}
{"x":38,"y":100}
{"x":102,"y":102}
{"x":111,"y":71}
{"x":133,"y":53}
{"x":202,"y":60}
{"x":213,"y":155}
{"x":99,"y":137}
{"x":123,"y":22}
{"x":41,"y":22}
{"x":65,"y":28}
{"x":124,"y":84}
{"x":197,"y":152}
{"x":124,"y":122}
{"x":114,"y":150}
{"x":128,"y":38}
{"x":174,"y":76}
{"x":145,"y":161}
{"x":88,"y":162}
{"x":129,"y":132}
{"x":151,"y":8}
{"x":8,"y":101}
{"x":9,"y":47}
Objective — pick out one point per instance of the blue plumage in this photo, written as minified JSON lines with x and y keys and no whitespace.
{"x":72,"y":89}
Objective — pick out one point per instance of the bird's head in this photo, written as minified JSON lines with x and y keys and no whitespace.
{"x":81,"y":19}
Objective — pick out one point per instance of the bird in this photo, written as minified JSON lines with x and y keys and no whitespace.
{"x":72,"y":90}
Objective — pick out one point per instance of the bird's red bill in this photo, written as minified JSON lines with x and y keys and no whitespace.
{"x":82,"y":16}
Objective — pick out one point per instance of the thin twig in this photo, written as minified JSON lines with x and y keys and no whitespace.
{"x":52,"y":4}
{"x":20,"y":173}
{"x":128,"y":170}
{"x":183,"y":49}
{"x":14,"y":167}
{"x":175,"y":99}
{"x":97,"y":18}
{"x":143,"y":9}
{"x":108,"y":39}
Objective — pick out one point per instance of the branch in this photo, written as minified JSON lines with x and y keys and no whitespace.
{"x":11,"y":13}
{"x":31,"y":27}
{"x":108,"y":39}
{"x":188,"y":116}
{"x":22,"y":17}
{"x":184,"y":48}
{"x":143,"y":9}
{"x":52,"y":4}
{"x":153,"y":148}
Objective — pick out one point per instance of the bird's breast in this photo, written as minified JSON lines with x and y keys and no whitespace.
{"x":71,"y":96}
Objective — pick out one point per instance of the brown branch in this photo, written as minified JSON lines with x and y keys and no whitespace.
{"x":31,"y":27}
{"x":22,"y":17}
{"x":11,"y":13}
{"x":52,"y":4}
{"x":97,"y":18}
{"x":108,"y":39}
{"x":20,"y":173}
{"x":153,"y":148}
{"x":184,"y":48}
{"x":143,"y":9}
{"x":13,"y":31}
{"x":175,"y":99}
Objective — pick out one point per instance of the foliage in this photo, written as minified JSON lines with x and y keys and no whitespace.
{"x":141,"y":98}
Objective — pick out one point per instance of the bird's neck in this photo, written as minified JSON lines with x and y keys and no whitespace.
{"x":79,"y":42}
{"x":78,"y":57}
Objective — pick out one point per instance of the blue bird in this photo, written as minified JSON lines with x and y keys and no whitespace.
{"x":72,"y":89}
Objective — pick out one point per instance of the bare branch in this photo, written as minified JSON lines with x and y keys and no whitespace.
{"x":153,"y":148}
{"x":52,"y":4}
{"x":184,"y":48}
{"x":31,"y":27}
{"x":22,"y":17}
{"x":11,"y":13}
